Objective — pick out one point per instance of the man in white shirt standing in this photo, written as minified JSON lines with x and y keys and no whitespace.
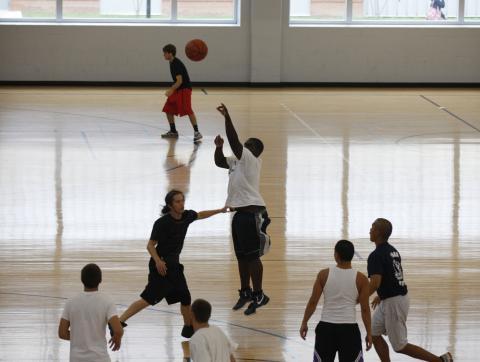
{"x":250,"y":221}
{"x":209,"y":343}
{"x":337,"y":331}
{"x":84,"y":321}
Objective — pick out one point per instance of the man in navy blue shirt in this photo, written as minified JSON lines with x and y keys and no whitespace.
{"x":391,"y":303}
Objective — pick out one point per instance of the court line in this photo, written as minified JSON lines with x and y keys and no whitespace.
{"x":444,"y":109}
{"x":170,"y":312}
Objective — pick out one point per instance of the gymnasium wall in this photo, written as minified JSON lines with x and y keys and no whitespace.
{"x":262,"y":49}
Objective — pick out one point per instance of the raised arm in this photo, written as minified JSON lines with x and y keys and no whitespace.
{"x":232,"y":136}
{"x":220,"y":159}
{"x":313,"y":301}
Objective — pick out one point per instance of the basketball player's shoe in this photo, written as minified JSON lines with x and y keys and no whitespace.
{"x":170,"y":134}
{"x":259,"y":299}
{"x":245,"y":296}
{"x":197,"y":136}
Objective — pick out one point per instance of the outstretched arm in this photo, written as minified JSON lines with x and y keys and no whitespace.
{"x":207,"y":213}
{"x":232,"y":136}
{"x":220,"y":159}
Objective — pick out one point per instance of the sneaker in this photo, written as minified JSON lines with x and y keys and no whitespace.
{"x":245,"y":297}
{"x":447,"y":357}
{"x":197,"y":136}
{"x":258,"y":301}
{"x":187,"y":331}
{"x":111,"y":330}
{"x":170,"y":134}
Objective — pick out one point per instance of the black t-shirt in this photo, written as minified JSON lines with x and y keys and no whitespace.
{"x":169,"y":234}
{"x":385,"y":260}
{"x":178,"y":68}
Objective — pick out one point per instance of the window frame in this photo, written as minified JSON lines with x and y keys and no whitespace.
{"x":59,"y":19}
{"x":349,"y":20}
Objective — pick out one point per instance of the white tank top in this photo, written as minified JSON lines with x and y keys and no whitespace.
{"x":340,"y":296}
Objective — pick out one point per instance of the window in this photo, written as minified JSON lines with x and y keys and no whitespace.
{"x":169,"y":11}
{"x":472,"y":10}
{"x":28,"y":9}
{"x":423,"y":12}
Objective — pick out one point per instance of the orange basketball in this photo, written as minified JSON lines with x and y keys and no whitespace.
{"x":196,"y":50}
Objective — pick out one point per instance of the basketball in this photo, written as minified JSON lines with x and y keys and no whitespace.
{"x":196,"y":50}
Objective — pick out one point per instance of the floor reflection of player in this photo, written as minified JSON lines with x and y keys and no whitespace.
{"x":178,"y":172}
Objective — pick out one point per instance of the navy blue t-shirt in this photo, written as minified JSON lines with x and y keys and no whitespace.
{"x":385,"y":260}
{"x":169,"y":234}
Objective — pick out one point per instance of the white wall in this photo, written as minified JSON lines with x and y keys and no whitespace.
{"x":262,"y":49}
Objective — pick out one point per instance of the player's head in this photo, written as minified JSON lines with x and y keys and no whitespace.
{"x":344,"y":251}
{"x":169,"y":51}
{"x":201,"y":310}
{"x":381,"y":230}
{"x":174,"y":201}
{"x":91,"y":276}
{"x":255,"y":146}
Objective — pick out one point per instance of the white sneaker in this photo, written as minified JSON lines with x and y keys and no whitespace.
{"x":197,"y":136}
{"x":170,"y":134}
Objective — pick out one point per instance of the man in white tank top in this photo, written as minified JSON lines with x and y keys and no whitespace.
{"x":338,"y":330}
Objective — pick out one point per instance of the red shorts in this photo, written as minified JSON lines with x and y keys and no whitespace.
{"x":179,"y":103}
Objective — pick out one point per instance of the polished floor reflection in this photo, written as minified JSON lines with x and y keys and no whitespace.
{"x":83,"y":173}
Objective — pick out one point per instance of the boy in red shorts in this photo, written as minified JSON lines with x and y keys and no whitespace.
{"x":179,"y":101}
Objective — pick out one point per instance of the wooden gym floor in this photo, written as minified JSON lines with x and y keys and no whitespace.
{"x":83,"y":172}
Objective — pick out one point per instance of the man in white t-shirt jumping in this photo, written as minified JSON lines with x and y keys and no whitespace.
{"x":209,"y":343}
{"x":250,"y":221}
{"x":84,"y":321}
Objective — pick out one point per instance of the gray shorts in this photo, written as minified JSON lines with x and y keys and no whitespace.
{"x":390,"y":318}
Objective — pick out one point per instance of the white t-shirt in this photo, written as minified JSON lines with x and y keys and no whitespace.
{"x":88,"y":314}
{"x":244,"y":180}
{"x":210,"y":344}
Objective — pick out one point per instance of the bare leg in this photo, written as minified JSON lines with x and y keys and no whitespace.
{"x":134,"y":308}
{"x":419,"y":353}
{"x":193,"y":119}
{"x":382,"y":348}
{"x":186,"y":314}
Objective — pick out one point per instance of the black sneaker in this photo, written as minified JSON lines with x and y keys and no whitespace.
{"x":111,"y":330}
{"x":258,"y":301}
{"x":245,"y":297}
{"x":187,"y":331}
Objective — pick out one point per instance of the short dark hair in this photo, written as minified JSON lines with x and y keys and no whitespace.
{"x":345,"y":250}
{"x":91,"y":276}
{"x":257,"y":145}
{"x":385,"y":228}
{"x":170,"y":48}
{"x":201,"y":310}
